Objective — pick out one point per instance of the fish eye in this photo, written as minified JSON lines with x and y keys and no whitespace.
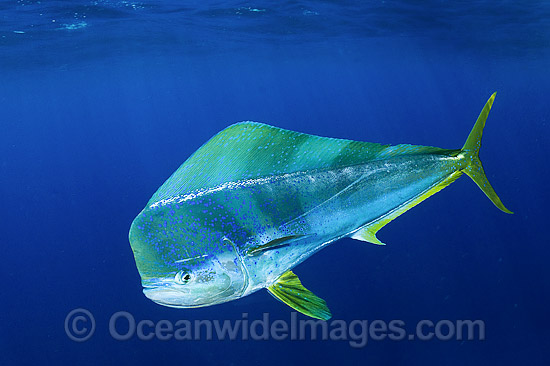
{"x":182,"y":277}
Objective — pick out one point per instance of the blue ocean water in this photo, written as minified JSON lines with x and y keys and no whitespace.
{"x":100,"y":101}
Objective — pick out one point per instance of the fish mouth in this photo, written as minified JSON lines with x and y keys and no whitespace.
{"x":174,"y":298}
{"x":167,"y":293}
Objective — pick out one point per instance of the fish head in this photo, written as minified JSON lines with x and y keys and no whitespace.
{"x":200,"y":282}
{"x":186,"y":275}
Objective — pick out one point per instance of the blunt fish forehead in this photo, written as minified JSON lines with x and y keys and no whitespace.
{"x":178,"y":272}
{"x":166,"y":240}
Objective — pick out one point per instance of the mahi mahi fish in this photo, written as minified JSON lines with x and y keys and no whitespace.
{"x":256,"y":200}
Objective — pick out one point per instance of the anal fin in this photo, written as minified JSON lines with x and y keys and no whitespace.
{"x":368,"y":232}
{"x":290,"y":290}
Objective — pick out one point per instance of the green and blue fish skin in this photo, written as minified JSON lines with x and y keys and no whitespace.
{"x":255,"y":201}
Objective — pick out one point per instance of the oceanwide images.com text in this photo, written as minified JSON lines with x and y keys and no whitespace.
{"x":80,"y":325}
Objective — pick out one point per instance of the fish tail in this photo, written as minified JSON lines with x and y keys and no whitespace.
{"x":470,"y":151}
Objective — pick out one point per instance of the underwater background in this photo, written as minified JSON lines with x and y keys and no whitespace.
{"x":100,"y":101}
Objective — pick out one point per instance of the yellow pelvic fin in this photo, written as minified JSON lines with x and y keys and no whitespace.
{"x":290,"y":290}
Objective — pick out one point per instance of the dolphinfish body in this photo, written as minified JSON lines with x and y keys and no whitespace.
{"x":256,"y":200}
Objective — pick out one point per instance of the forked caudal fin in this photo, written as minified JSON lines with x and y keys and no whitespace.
{"x":471,"y":151}
{"x":472,"y":167}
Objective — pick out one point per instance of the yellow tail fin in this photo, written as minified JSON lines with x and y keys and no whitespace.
{"x":471,"y":151}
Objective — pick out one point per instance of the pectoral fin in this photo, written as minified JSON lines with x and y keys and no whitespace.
{"x":273,"y":244}
{"x":290,"y":290}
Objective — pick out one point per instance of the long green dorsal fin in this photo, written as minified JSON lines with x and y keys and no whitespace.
{"x":368,"y":232}
{"x":273,"y":244}
{"x":250,"y":150}
{"x":290,"y":290}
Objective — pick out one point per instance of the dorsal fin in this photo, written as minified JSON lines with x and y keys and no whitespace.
{"x":250,"y":150}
